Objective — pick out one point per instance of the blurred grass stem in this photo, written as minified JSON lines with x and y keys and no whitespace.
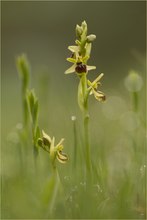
{"x":135,"y":101}
{"x":24,"y":72}
{"x":55,"y":191}
{"x":75,"y":140}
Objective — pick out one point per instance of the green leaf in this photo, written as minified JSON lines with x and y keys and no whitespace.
{"x":37,"y":134}
{"x":35,"y":111}
{"x":31,"y":100}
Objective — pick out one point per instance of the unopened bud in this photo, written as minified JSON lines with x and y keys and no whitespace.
{"x":79,"y":30}
{"x":84,"y":24}
{"x":91,"y":38}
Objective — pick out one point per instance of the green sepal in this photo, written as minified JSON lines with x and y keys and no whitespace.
{"x":72,"y":60}
{"x":71,"y":69}
{"x":88,"y":49}
{"x":78,"y":42}
{"x":85,"y":59}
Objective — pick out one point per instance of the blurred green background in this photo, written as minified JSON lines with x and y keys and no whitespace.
{"x":43,"y":31}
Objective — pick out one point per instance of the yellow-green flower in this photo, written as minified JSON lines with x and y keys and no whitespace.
{"x":55,"y":151}
{"x":79,"y":62}
{"x":81,"y":51}
{"x":93,"y":88}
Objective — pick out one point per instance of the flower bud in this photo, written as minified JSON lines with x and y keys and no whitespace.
{"x":91,"y":38}
{"x":79,"y":31}
{"x":84,"y":25}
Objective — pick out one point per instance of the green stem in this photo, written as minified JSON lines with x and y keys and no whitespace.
{"x":86,"y":123}
{"x":87,"y":145}
{"x":24,"y":108}
{"x":135,"y":101}
{"x":75,"y":141}
{"x":55,"y":190}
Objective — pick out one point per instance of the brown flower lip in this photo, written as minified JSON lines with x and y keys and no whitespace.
{"x":81,"y":68}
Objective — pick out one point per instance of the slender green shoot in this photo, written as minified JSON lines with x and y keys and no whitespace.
{"x":24,"y":73}
{"x":33,"y":107}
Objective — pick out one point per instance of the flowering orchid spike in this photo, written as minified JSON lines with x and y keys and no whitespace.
{"x":55,"y":151}
{"x":81,"y":51}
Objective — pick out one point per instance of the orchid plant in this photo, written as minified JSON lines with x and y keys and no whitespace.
{"x":80,"y":55}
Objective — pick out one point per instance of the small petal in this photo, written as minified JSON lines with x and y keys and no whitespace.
{"x":60,"y":143}
{"x":71,"y":69}
{"x":79,"y":30}
{"x":74,"y":49}
{"x":99,"y":95}
{"x":88,"y":49}
{"x":91,"y":67}
{"x":98,"y":78}
{"x":85,"y":59}
{"x":46,"y":139}
{"x":72,"y":60}
{"x":62,"y":157}
{"x":78,"y":42}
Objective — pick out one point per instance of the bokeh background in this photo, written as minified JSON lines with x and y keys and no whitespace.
{"x":43,"y":31}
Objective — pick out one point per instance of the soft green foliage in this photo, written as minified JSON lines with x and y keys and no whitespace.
{"x":24,"y":73}
{"x":33,"y":107}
